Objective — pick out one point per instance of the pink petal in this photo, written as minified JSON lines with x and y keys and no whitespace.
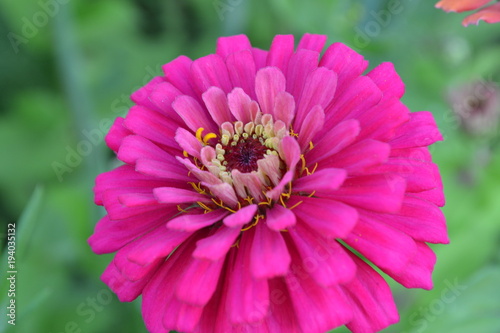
{"x":280,"y":52}
{"x":319,"y":89}
{"x":324,"y":259}
{"x":360,"y":157}
{"x":260,"y":57}
{"x":269,"y":82}
{"x":241,"y":217}
{"x":193,"y":114}
{"x":386,"y":247}
{"x":420,"y":154}
{"x":276,"y":192}
{"x":188,"y":142}
{"x":189,"y":222}
{"x":136,"y":147}
{"x":435,"y":196}
{"x":362,"y":95}
{"x":111,"y":235}
{"x":334,"y":141}
{"x":373,"y":305}
{"x":380,"y":193}
{"x":269,"y":255}
{"x":224,"y":192}
{"x":322,"y":181}
{"x":156,"y":244}
{"x":217,"y":245}
{"x":247,"y":183}
{"x":124,"y":176}
{"x":116,"y":134}
{"x":232,"y":44}
{"x":419,"y":176}
{"x":198,"y":282}
{"x":280,"y":218}
{"x":291,"y":152}
{"x":216,"y":102}
{"x":241,"y":106}
{"x":162,"y":97}
{"x":313,"y":122}
{"x":347,"y":63}
{"x":176,"y":195}
{"x":125,"y":289}
{"x":490,"y":14}
{"x":284,"y":108}
{"x":388,"y":81}
{"x":204,"y":176}
{"x":330,"y":218}
{"x":317,"y":309}
{"x":151,"y":125}
{"x":117,"y":211}
{"x":382,"y":121}
{"x":302,"y":63}
{"x":162,"y":169}
{"x":312,"y":42}
{"x":210,"y":71}
{"x":460,"y":5}
{"x":161,"y":310}
{"x":247,"y":298}
{"x":418,"y":272}
{"x":176,"y":73}
{"x":242,"y":69}
{"x":141,"y":96}
{"x":420,"y":131}
{"x":282,"y":314}
{"x":418,"y":218}
{"x":137,"y":199}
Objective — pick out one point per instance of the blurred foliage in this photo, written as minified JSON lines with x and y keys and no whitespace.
{"x":68,"y":68}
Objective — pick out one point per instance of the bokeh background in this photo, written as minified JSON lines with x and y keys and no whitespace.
{"x":67,"y":68}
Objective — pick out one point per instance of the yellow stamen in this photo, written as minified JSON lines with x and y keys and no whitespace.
{"x":281,"y":200}
{"x":208,"y":137}
{"x":198,"y":134}
{"x":310,"y":195}
{"x":249,"y":199}
{"x":298,"y":203}
{"x":304,"y":168}
{"x":185,"y":153}
{"x":268,"y":202}
{"x":180,"y":209}
{"x":197,"y":187}
{"x":256,"y":218}
{"x":205,"y":207}
{"x":221,"y":205}
{"x":311,"y":146}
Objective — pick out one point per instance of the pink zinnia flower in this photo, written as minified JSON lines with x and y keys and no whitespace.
{"x":248,"y":178}
{"x":489,"y":14}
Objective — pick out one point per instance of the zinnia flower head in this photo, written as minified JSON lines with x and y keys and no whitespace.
{"x":489,"y":14}
{"x":249,"y":178}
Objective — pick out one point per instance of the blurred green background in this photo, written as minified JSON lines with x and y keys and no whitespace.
{"x":68,"y":66}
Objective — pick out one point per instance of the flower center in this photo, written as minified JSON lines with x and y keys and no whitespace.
{"x":247,"y":154}
{"x":244,"y":154}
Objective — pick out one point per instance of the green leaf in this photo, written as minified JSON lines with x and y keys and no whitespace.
{"x":24,"y":228}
